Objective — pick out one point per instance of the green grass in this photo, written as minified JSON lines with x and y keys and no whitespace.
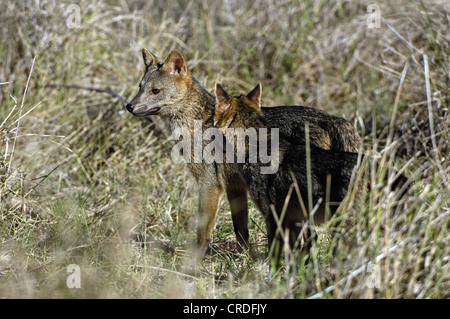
{"x":89,"y":184}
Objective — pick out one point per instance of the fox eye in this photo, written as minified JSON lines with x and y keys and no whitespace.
{"x":156,"y":91}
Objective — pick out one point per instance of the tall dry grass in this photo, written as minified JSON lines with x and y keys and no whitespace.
{"x":82,"y":182}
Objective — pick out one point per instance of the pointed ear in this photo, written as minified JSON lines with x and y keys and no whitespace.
{"x":255,"y":97}
{"x":176,"y":64}
{"x":221,"y":94}
{"x":223,"y":103}
{"x":149,"y":58}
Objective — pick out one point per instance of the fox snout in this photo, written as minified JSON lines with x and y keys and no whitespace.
{"x":139,"y":108}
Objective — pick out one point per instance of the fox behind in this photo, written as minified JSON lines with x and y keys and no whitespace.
{"x":270,"y":191}
{"x":167,"y":89}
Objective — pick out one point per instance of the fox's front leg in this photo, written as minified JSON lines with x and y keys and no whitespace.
{"x":209,"y":197}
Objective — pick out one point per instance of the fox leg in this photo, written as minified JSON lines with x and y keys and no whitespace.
{"x":237,"y":197}
{"x":207,"y":210}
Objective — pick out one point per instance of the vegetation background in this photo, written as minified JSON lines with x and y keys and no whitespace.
{"x":83,"y":182}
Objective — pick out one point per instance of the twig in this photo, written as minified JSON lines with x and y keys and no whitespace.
{"x":410,"y":45}
{"x":20,"y":115}
{"x":15,"y":104}
{"x":44,"y":177}
{"x":431,"y":120}
{"x":88,"y":88}
{"x":397,"y":99}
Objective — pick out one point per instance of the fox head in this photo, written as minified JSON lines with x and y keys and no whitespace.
{"x":240,"y":111}
{"x":242,"y":122}
{"x":164,"y":85}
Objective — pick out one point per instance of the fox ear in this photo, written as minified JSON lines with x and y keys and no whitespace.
{"x":149,"y":58}
{"x":176,"y":64}
{"x":255,"y":97}
{"x":223,"y":103}
{"x":221,"y":94}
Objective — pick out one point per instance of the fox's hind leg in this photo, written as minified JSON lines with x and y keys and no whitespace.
{"x":237,"y":197}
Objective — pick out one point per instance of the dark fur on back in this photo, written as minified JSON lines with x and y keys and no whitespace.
{"x":270,"y":191}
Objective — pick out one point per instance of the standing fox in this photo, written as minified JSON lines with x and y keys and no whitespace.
{"x":270,"y":191}
{"x":167,"y":89}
